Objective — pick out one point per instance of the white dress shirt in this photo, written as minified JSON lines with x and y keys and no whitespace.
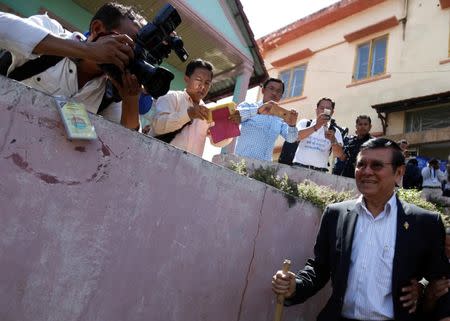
{"x":171,"y":114}
{"x":432,"y":177}
{"x":369,"y":286}
{"x":21,"y":35}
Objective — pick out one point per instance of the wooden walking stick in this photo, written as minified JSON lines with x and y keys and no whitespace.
{"x":280,"y":298}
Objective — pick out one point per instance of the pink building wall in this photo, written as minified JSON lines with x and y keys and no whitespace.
{"x":128,"y":228}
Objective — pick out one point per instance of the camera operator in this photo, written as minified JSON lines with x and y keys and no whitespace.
{"x":78,"y":75}
{"x":353,"y":145}
{"x":317,"y":139}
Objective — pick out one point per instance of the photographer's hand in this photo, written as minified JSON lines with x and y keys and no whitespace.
{"x":322,"y":120}
{"x":113,"y":49}
{"x":329,"y":134}
{"x":129,"y":91}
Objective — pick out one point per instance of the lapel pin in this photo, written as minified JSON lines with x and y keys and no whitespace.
{"x":406,"y":225}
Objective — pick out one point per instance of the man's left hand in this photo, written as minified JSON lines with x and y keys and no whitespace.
{"x":291,"y":118}
{"x":130,"y":86}
{"x":329,"y":134}
{"x":410,"y":296}
{"x":235,"y":117}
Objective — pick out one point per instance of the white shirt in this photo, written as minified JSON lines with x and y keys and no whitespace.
{"x":21,"y":35}
{"x":171,"y":114}
{"x":432,"y":177}
{"x":314,"y":150}
{"x":369,"y":286}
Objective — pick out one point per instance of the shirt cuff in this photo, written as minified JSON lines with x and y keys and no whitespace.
{"x":248,"y":113}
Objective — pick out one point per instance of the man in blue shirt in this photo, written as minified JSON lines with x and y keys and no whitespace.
{"x":264,"y":121}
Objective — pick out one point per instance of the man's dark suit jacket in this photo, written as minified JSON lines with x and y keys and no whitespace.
{"x":419,"y":252}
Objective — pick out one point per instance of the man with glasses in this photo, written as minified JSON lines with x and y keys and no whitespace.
{"x":317,"y":139}
{"x":263,"y":122}
{"x":374,"y":248}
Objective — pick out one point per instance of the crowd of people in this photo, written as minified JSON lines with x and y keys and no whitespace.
{"x":386,"y":258}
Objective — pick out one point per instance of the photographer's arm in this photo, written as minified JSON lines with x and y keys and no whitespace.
{"x":336,"y":143}
{"x":338,"y":151}
{"x":113,"y":49}
{"x":306,"y":132}
{"x":39,"y":35}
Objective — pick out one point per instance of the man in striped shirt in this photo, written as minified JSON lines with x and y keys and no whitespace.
{"x":263,"y":122}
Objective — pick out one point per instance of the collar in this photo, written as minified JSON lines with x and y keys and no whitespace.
{"x":389,"y":207}
{"x":190,"y":99}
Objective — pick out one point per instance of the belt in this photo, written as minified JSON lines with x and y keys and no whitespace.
{"x":433,"y":187}
{"x":320,"y":169}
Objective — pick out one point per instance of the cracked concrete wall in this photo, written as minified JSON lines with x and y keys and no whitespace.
{"x":129,"y":228}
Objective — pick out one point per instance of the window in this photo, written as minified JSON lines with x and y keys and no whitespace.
{"x":293,"y":80}
{"x":426,"y":119}
{"x":371,"y":58}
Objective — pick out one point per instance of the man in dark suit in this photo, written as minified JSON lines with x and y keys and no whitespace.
{"x":373,"y":248}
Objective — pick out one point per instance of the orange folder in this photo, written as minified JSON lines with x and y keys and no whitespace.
{"x":223,"y":128}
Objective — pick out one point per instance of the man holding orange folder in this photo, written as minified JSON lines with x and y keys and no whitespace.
{"x":263,"y":122}
{"x":181,"y":117}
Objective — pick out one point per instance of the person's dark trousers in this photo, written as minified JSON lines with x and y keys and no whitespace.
{"x":288,"y":153}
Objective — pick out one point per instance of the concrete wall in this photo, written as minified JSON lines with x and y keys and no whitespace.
{"x":129,"y":228}
{"x":413,"y":62}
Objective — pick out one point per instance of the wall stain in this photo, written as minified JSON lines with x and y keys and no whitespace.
{"x":51,"y":179}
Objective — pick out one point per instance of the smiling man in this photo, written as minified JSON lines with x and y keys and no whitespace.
{"x":373,"y":248}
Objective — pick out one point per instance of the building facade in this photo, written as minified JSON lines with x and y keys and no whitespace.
{"x":386,"y":59}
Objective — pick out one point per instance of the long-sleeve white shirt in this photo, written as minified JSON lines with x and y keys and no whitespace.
{"x":21,"y":35}
{"x":171,"y":114}
{"x":432,"y":177}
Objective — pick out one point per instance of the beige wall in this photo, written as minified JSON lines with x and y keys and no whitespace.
{"x":413,"y":64}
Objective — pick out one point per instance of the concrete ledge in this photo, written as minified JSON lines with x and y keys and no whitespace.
{"x":297,"y":174}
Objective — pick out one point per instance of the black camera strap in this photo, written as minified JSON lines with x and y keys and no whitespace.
{"x":168,"y":137}
{"x":41,"y":64}
{"x":28,"y":69}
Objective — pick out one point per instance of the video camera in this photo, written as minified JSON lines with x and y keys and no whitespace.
{"x":154,"y":43}
{"x":334,"y":126}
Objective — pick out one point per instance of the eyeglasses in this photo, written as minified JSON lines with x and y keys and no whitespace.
{"x":375,"y":165}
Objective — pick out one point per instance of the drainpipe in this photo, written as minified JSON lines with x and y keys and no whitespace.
{"x":404,"y":19}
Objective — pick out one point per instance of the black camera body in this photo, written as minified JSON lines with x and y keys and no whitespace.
{"x":332,"y":125}
{"x":154,"y":42}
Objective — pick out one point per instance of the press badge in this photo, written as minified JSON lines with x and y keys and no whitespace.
{"x":76,"y":119}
